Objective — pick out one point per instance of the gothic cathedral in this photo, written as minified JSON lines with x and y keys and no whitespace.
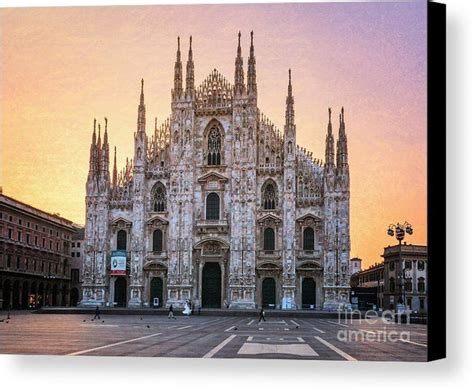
{"x":217,"y":206}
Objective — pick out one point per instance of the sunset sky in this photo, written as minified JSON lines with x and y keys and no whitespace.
{"x":62,"y":67}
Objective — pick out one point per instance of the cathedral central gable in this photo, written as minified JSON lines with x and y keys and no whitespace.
{"x":215,"y":92}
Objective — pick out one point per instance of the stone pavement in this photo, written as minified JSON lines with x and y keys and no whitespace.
{"x":211,"y":337}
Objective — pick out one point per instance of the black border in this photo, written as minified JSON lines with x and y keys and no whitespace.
{"x":436,"y":181}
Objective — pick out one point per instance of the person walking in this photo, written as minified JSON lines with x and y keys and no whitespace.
{"x":262,"y":316}
{"x":97,"y":313}
{"x":170,"y":313}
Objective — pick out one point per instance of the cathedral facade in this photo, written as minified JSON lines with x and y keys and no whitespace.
{"x":217,"y":206}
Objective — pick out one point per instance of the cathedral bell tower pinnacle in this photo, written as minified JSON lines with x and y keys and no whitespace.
{"x":239,"y":78}
{"x":252,"y":72}
{"x":329,"y":144}
{"x":190,"y":72}
{"x":290,"y":127}
{"x":178,"y":76}
{"x":342,"y":144}
{"x":105,"y":157}
{"x":114,"y":172}
{"x":93,"y":153}
{"x":140,"y":135}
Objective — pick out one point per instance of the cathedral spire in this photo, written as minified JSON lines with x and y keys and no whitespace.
{"x":106,"y":138}
{"x":190,"y":71}
{"x":290,"y":127}
{"x":98,"y":152}
{"x":252,"y":72}
{"x":342,"y":142}
{"x":105,"y":151}
{"x":329,"y":143}
{"x":178,"y":75}
{"x":114,"y":172}
{"x":290,"y":102}
{"x":141,"y":119}
{"x":93,"y":134}
{"x":93,"y":152}
{"x":239,"y":86}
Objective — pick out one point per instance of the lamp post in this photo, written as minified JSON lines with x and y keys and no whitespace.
{"x":399,"y":230}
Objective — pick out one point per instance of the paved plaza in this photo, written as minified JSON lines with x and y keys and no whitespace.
{"x":211,"y":337}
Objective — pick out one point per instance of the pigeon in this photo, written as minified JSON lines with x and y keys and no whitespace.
{"x":235,"y":328}
{"x":148,"y":326}
{"x":297,"y":326}
{"x":102,"y":321}
{"x":141,"y":318}
{"x":92,"y":319}
{"x":6,"y":322}
{"x":83,"y":320}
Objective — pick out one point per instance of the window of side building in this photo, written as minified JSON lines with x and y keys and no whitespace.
{"x":74,"y":275}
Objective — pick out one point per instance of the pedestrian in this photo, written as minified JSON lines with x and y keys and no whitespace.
{"x":199,"y":309}
{"x":97,"y":313}
{"x":170,"y":313}
{"x":262,"y":315}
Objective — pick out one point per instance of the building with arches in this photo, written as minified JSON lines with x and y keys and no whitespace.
{"x":35,"y":256}
{"x":218,"y":205}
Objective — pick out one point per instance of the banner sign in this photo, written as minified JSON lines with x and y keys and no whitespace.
{"x":118,"y":263}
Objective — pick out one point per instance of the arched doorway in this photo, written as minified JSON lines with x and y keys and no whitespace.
{"x":16,"y":295}
{"x":24,"y":295}
{"x":308,"y":293}
{"x":74,"y":296}
{"x":211,"y":285}
{"x":156,"y":291}
{"x":6,"y":294}
{"x":120,"y":292}
{"x":268,"y":292}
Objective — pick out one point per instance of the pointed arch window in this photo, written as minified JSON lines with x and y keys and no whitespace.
{"x":158,"y":198}
{"x":122,"y":240}
{"x":308,"y":239}
{"x":214,"y":146}
{"x":157,"y":240}
{"x":269,"y":239}
{"x":212,"y":207}
{"x":269,"y":196}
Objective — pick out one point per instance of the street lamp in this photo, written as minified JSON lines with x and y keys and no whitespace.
{"x":399,"y":230}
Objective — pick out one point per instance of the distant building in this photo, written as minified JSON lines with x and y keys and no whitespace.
{"x":35,"y":257}
{"x":355,"y":265}
{"x":77,"y":263}
{"x":367,"y":287}
{"x":405,"y":271}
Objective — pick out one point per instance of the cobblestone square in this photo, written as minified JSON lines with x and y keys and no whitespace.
{"x":211,"y":337}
